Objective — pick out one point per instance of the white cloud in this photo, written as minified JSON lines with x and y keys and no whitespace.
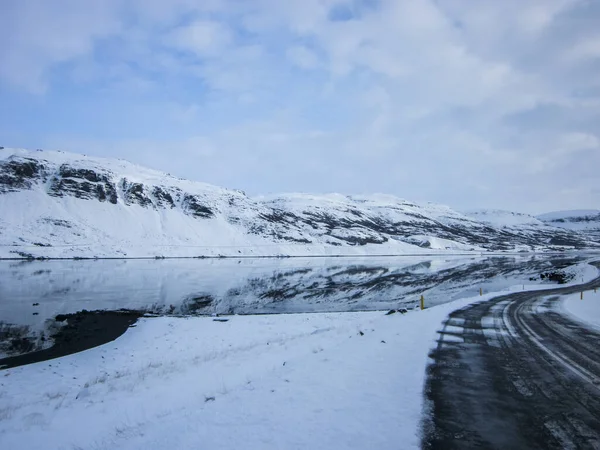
{"x":201,"y":37}
{"x":302,"y":57}
{"x":588,"y":48}
{"x":37,"y":35}
{"x":574,"y":141}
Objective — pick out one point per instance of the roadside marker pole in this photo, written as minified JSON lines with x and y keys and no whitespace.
{"x":422,"y":302}
{"x":480,"y":292}
{"x":581,"y":298}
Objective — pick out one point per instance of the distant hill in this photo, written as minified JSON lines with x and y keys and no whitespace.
{"x":583,"y":220}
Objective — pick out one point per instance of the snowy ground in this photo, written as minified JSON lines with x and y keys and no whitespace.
{"x":586,"y":309}
{"x":330,"y":380}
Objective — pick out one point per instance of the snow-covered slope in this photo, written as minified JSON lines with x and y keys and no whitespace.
{"x":56,"y":204}
{"x":502,"y":218}
{"x":585,"y":221}
{"x":519,"y":224}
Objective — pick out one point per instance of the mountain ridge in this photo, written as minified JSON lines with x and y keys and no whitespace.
{"x":58,"y":204}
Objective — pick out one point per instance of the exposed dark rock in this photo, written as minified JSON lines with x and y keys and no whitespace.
{"x":361,"y":240}
{"x":66,"y":171}
{"x":279,"y":216}
{"x":197,"y":304}
{"x":20,"y":173}
{"x":108,"y":192}
{"x":83,"y":183}
{"x":279,"y":294}
{"x":16,"y":339}
{"x":193,"y":206}
{"x":24,"y":255}
{"x":562,"y":240}
{"x":56,"y":222}
{"x":134,"y":193}
{"x":163,"y":197}
{"x":557,"y":277}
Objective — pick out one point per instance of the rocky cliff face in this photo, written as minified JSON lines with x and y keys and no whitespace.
{"x":55,"y":204}
{"x":18,"y":173}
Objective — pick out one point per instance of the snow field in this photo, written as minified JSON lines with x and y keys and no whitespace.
{"x":285,"y":381}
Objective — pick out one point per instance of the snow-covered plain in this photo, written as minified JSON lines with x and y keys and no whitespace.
{"x":327,"y":380}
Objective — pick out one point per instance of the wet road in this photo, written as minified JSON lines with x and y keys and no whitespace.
{"x":514,"y":373}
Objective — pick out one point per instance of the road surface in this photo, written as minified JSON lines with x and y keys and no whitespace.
{"x":514,"y":373}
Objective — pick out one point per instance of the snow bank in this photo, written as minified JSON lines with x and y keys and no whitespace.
{"x":582,"y":272}
{"x":586,"y":310}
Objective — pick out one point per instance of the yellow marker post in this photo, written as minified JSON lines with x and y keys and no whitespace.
{"x":422,"y":302}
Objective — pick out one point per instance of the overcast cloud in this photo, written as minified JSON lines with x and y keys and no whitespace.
{"x":471,"y":103}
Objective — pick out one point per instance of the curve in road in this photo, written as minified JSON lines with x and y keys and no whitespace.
{"x":514,"y":373}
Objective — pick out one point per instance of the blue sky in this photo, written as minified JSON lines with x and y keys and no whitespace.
{"x":473,"y":104}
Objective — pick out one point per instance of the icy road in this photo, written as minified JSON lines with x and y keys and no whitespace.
{"x":515,"y":372}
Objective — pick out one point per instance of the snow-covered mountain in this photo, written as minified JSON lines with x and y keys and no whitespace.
{"x":583,"y":220}
{"x":500,"y":218}
{"x":56,"y":204}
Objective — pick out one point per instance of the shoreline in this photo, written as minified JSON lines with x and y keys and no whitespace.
{"x":356,"y":256}
{"x":83,"y":330}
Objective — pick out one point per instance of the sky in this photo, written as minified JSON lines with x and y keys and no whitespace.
{"x":473,"y":104}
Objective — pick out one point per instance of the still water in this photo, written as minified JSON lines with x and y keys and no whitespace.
{"x":32,"y":293}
